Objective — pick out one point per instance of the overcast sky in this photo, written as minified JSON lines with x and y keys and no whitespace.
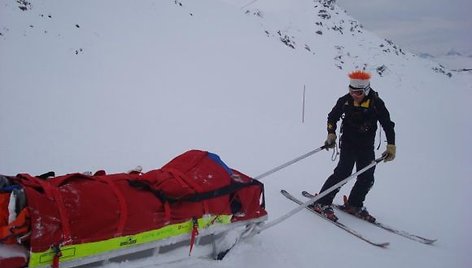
{"x":430,"y":26}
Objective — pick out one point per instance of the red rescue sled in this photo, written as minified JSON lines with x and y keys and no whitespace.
{"x":76,"y":219}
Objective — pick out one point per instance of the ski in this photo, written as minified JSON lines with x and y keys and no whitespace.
{"x":337,"y":223}
{"x":396,"y":231}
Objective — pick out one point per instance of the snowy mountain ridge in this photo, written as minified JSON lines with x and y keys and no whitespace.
{"x":328,"y":21}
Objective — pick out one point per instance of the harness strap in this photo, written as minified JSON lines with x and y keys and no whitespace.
{"x":167,"y":215}
{"x":233,"y":187}
{"x":122,"y":203}
{"x":194,"y":234}
{"x":53,"y":193}
{"x":380,"y":138}
{"x":62,"y":213}
{"x":335,"y":152}
{"x":57,"y":255}
{"x":181,"y":177}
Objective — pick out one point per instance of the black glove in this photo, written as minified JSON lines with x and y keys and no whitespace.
{"x":330,"y":141}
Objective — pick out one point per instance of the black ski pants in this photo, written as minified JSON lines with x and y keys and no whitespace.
{"x":361,"y":157}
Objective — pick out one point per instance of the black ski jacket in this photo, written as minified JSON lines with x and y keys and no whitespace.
{"x":359,"y":123}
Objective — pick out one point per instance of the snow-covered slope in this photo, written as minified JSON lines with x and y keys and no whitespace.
{"x":87,"y":85}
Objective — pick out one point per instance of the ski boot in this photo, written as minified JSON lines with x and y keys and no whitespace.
{"x":324,"y":210}
{"x":360,"y":212}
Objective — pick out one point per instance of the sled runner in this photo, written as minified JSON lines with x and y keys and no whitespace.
{"x":77,"y":219}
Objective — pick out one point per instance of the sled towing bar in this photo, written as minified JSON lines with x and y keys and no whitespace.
{"x":291,"y":162}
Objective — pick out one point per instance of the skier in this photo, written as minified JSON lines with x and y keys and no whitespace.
{"x":360,"y":110}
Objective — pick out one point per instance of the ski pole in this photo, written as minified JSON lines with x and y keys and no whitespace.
{"x":265,"y":174}
{"x":320,"y":195}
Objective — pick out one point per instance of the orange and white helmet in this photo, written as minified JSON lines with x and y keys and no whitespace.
{"x":360,"y":80}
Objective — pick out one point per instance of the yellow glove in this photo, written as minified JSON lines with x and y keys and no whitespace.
{"x":389,"y":154}
{"x":330,"y":141}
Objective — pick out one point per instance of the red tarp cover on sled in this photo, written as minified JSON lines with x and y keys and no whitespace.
{"x":76,"y":208}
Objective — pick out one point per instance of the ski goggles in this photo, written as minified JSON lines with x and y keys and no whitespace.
{"x":358,"y":91}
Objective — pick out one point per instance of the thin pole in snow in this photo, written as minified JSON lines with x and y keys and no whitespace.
{"x":303,"y":105}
